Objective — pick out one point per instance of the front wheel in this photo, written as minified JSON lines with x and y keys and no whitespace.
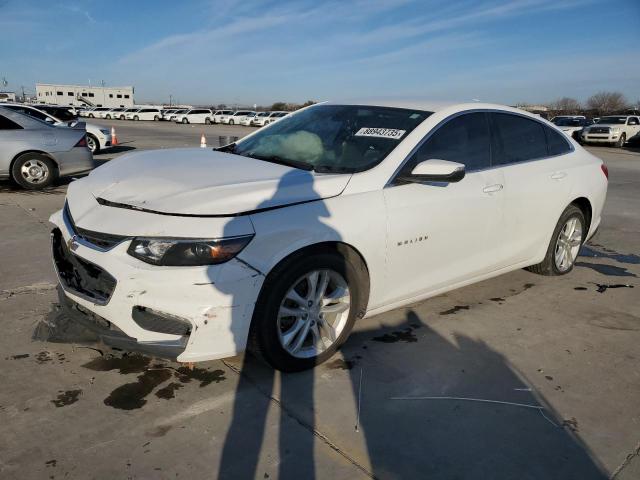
{"x":184,"y":120}
{"x":307,"y":309}
{"x":136,"y":118}
{"x":567,"y":238}
{"x":621,"y":141}
{"x":231,"y":122}
{"x":33,"y":171}
{"x":93,"y":143}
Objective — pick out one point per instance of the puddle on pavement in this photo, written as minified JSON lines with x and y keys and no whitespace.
{"x":133,"y":395}
{"x":66,"y":398}
{"x":169,"y":392}
{"x":604,"y":269}
{"x":454,"y":310}
{"x":601,"y":287}
{"x":604,"y":252}
{"x":125,"y":364}
{"x":406,"y":336}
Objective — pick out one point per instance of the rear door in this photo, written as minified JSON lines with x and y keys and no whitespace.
{"x":440,"y":234}
{"x":536,"y":163}
{"x":633,"y":127}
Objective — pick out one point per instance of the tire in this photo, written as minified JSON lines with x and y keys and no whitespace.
{"x":108,"y":117}
{"x":156,"y":118}
{"x":231,"y":122}
{"x":550,"y":265}
{"x":21,"y":174}
{"x":621,"y":141}
{"x":184,"y":120}
{"x":93,"y":144}
{"x":266,"y":333}
{"x":136,"y":118}
{"x":207,"y":121}
{"x":90,"y":115}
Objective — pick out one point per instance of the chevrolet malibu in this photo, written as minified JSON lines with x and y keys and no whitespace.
{"x":281,"y":241}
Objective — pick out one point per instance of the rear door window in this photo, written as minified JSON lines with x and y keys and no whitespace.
{"x":464,"y":139}
{"x":516,"y":139}
{"x":6,"y":124}
{"x":557,"y":144}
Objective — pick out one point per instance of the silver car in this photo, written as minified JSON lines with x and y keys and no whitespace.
{"x":34,"y":153}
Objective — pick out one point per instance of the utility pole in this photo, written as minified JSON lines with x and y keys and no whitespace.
{"x":22,"y":87}
{"x":170,"y":97}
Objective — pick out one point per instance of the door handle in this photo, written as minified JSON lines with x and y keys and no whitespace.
{"x":559,"y":175}
{"x":493,"y":188}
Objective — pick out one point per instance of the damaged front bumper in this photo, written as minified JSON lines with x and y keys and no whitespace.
{"x":189,"y":314}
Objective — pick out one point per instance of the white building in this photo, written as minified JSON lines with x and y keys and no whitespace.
{"x":79,"y":95}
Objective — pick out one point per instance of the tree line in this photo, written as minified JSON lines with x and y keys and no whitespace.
{"x":601,"y":103}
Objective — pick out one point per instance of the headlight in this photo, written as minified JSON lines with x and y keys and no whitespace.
{"x":615,"y":130}
{"x":187,"y":252}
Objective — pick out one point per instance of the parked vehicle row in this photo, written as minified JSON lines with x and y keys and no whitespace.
{"x":187,"y":115}
{"x":614,"y":130}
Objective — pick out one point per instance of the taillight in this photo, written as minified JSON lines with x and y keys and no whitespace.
{"x":605,"y":170}
{"x":82,"y":142}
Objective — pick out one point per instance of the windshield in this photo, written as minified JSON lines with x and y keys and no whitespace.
{"x":613,"y":120}
{"x":333,"y":138}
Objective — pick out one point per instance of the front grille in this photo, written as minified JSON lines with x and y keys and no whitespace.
{"x":105,"y":241}
{"x":599,"y":130}
{"x":80,"y":276}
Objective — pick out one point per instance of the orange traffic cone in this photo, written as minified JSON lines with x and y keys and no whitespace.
{"x":114,"y":138}
{"x":203,"y":142}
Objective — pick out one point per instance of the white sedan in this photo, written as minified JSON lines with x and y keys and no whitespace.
{"x":282,"y":240}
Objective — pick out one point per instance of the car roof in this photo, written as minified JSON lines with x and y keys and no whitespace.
{"x":433,"y":106}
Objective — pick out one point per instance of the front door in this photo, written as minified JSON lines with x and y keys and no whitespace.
{"x":441,"y":234}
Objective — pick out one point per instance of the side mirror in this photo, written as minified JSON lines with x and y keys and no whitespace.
{"x":435,"y":171}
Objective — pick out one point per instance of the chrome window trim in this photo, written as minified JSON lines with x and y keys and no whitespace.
{"x":390,"y":182}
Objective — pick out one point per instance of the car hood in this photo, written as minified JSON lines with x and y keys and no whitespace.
{"x":205,"y":182}
{"x":610,"y":125}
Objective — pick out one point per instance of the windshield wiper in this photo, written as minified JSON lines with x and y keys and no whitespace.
{"x":283,"y":161}
{"x":332,"y":169}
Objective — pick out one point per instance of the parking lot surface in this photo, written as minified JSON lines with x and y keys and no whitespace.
{"x":535,"y":377}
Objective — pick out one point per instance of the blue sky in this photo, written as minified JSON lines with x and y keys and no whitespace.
{"x":250,"y":51}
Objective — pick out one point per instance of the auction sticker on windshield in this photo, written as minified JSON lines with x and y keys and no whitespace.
{"x":380,"y":132}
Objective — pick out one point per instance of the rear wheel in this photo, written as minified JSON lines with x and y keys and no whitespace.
{"x":207,"y":121}
{"x":93,"y":143}
{"x":306,"y":310}
{"x":156,"y":118}
{"x":33,"y":171}
{"x":565,"y":244}
{"x":621,"y":141}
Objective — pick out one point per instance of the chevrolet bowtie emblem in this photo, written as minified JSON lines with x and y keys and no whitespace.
{"x":72,"y":244}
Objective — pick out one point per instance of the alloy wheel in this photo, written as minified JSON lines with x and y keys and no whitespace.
{"x":313,"y":313}
{"x":568,"y":244}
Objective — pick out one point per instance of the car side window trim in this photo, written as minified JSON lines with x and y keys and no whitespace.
{"x":392,"y":179}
